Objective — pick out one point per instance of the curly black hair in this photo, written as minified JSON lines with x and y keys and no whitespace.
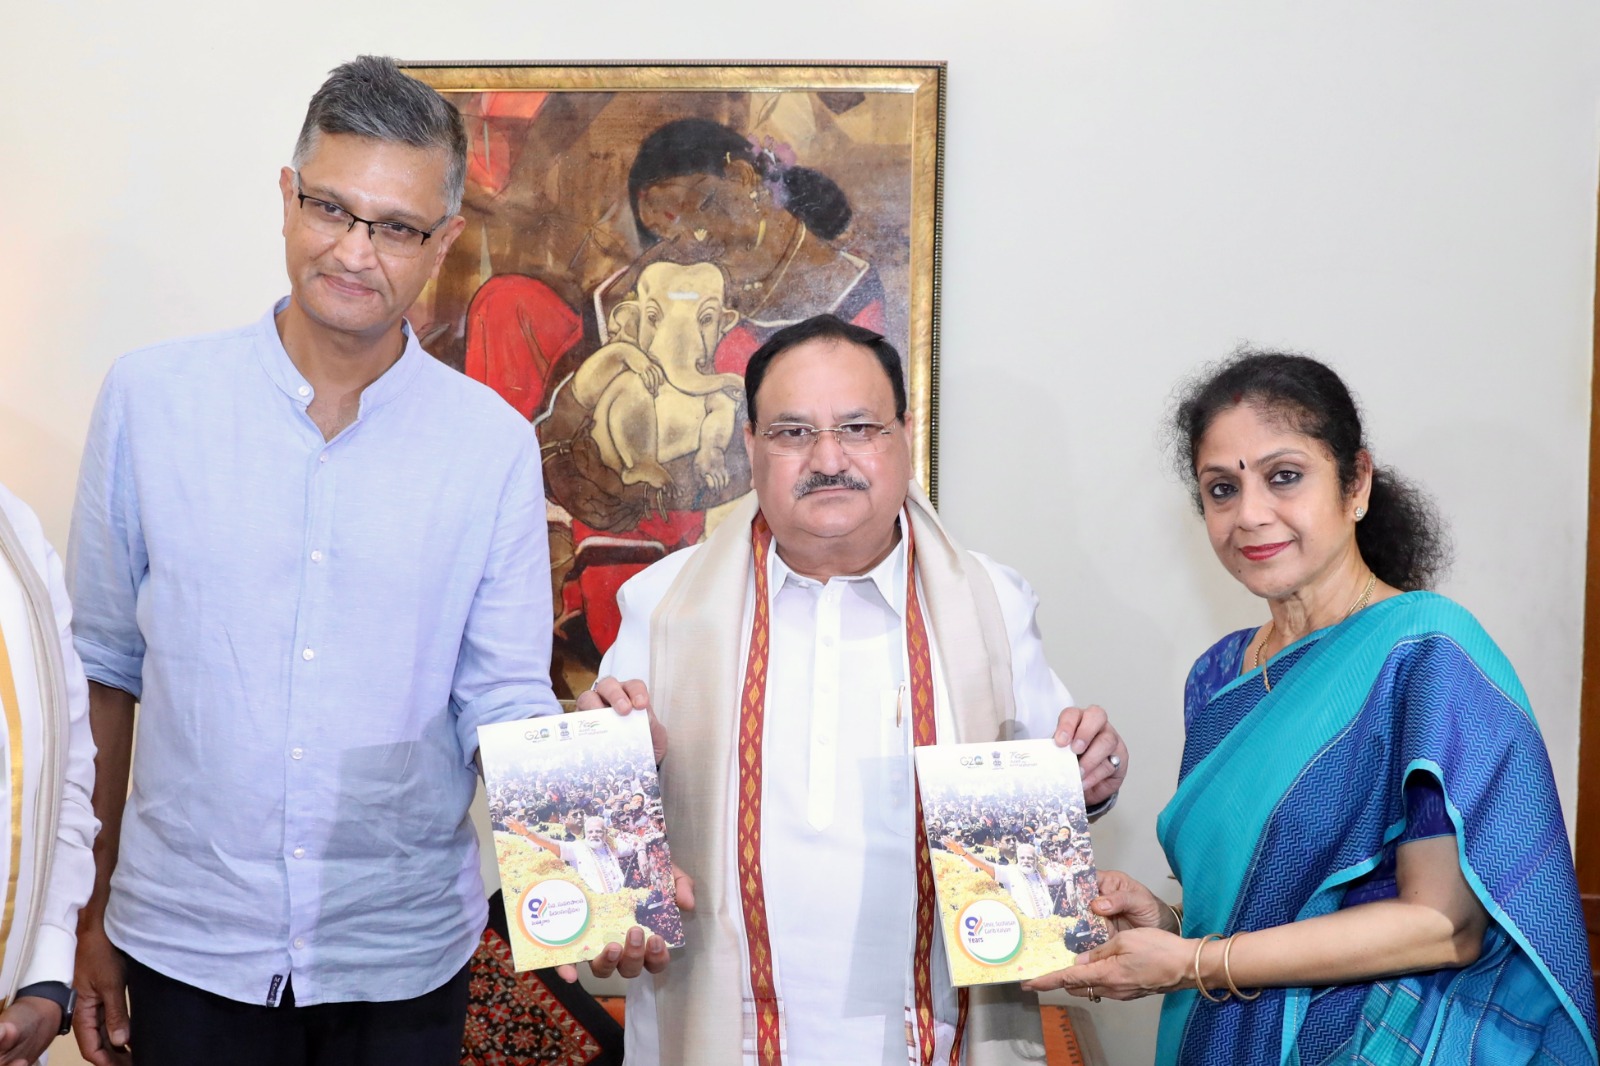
{"x":1402,"y":538}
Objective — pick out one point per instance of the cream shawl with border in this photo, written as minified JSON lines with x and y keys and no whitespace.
{"x":697,"y":658}
{"x":36,"y":763}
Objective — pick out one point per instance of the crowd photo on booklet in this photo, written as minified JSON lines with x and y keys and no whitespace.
{"x":1038,"y":851}
{"x":598,"y":810}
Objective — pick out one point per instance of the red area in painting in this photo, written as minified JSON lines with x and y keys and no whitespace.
{"x":495,"y":150}
{"x":516,"y":330}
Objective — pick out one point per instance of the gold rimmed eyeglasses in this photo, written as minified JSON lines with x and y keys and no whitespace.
{"x":855,"y":438}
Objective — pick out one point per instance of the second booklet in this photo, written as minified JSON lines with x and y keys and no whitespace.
{"x":1012,"y":862}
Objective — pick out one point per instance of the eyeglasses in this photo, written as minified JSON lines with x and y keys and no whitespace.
{"x":388,"y":238}
{"x":855,"y":438}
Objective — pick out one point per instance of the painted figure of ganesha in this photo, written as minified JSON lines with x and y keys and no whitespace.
{"x":644,"y":424}
{"x":652,"y":393}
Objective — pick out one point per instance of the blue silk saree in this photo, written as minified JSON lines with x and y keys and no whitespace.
{"x":1286,"y":799}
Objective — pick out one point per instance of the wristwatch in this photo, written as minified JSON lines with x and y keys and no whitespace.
{"x":62,"y":995}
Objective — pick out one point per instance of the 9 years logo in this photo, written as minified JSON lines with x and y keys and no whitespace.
{"x":553,"y":912}
{"x":989,"y":932}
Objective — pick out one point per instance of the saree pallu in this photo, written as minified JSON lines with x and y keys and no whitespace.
{"x":1286,"y":798}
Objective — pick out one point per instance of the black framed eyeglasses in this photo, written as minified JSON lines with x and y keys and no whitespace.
{"x":855,"y":438}
{"x":388,"y":238}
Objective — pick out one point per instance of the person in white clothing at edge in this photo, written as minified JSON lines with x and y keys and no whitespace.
{"x":789,"y":789}
{"x":49,"y":752}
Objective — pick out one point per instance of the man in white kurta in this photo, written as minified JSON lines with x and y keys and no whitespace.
{"x":1029,"y":882}
{"x":597,"y":862}
{"x":48,"y":872}
{"x":838,"y":810}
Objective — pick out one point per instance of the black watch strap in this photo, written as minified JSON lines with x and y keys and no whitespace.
{"x":62,"y":995}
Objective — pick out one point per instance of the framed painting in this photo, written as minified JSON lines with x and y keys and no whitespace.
{"x":634,"y":233}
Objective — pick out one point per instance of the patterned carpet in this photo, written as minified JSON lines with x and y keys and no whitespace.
{"x":532,"y":1018}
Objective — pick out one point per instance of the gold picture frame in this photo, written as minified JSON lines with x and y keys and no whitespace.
{"x":768,"y":191}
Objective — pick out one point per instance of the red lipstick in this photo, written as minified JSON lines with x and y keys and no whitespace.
{"x":1259,"y":552}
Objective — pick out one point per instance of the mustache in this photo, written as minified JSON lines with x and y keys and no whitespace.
{"x":818,"y":481}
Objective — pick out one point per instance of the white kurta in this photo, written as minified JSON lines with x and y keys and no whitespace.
{"x":838,"y":819}
{"x":1030,"y":890}
{"x":71,"y":874}
{"x":598,"y":867}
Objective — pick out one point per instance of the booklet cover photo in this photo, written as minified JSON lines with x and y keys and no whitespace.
{"x":1013,"y":866}
{"x":579,"y":835}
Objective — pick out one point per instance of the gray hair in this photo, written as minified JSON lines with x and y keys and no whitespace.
{"x":370,"y":97}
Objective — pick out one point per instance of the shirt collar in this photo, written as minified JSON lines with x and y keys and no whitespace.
{"x":889,"y":575}
{"x":284,"y":374}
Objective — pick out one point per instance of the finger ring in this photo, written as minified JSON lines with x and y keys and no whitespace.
{"x":1116,"y":762}
{"x":1092,"y":997}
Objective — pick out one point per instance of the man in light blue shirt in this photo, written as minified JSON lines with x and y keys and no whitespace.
{"x":317,"y":559}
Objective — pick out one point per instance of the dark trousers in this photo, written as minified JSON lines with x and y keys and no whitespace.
{"x":175,"y":1024}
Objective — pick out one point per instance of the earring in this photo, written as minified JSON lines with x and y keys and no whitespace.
{"x":752,"y":194}
{"x":1361,"y":512}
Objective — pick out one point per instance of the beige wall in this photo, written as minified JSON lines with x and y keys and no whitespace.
{"x":1406,"y":189}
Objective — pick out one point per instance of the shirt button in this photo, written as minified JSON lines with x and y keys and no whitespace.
{"x":308,"y":655}
{"x":304,"y":390}
{"x":322,"y":458}
{"x":299,"y":941}
{"x":299,"y":853}
{"x":297,"y":753}
{"x":316,"y":556}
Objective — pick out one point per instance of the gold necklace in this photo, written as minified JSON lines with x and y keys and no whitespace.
{"x":778,"y":274}
{"x":1266,"y":635}
{"x":757,"y":283}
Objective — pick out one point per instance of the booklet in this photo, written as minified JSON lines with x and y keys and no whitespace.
{"x":578,"y":834}
{"x":1012,"y":862}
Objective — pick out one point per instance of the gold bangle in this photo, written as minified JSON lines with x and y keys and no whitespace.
{"x":1177,"y":915}
{"x":1227,"y":975}
{"x":1201,"y":985}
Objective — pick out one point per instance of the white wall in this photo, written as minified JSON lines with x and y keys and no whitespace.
{"x":1407,"y":189}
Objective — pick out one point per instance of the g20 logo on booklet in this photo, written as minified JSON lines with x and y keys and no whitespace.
{"x":989,"y":932}
{"x":553,"y":913}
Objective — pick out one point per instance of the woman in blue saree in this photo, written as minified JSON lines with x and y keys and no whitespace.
{"x":1374,"y":863}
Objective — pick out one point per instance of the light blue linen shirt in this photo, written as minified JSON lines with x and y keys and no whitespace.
{"x":315,"y":630}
